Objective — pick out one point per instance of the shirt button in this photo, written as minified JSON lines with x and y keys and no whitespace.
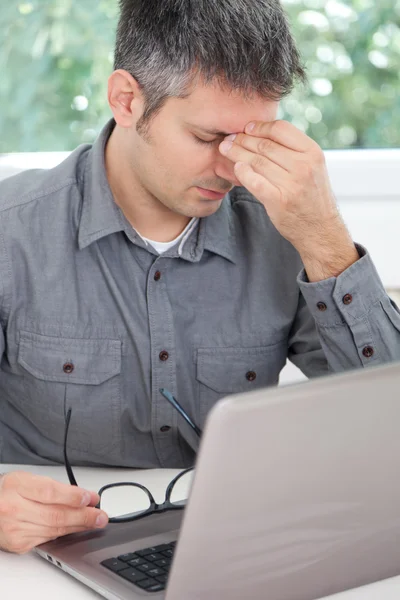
{"x":165,"y":428}
{"x":157,"y":276}
{"x":164,"y":356}
{"x":368,"y":351}
{"x":68,"y":368}
{"x":251,"y":376}
{"x":322,"y":306}
{"x":347,"y":299}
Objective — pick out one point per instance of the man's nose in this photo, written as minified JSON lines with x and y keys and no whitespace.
{"x":224,"y":169}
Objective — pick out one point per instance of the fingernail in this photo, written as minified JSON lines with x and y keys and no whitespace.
{"x":101,"y":521}
{"x":85,"y":499}
{"x":225,"y":147}
{"x":231,"y":138}
{"x":250,"y":127}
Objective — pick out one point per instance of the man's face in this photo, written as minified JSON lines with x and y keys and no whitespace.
{"x":178,"y":158}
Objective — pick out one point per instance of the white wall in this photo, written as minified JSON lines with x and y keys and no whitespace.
{"x":367,"y":186}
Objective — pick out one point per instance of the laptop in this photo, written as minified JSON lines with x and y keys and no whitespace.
{"x":296,"y":496}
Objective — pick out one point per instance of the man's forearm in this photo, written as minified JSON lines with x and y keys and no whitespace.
{"x":329,"y":258}
{"x":326,"y":264}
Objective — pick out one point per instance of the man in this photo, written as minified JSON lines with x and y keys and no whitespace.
{"x":167,"y":255}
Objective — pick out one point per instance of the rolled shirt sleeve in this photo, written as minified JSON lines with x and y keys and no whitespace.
{"x":358,"y":325}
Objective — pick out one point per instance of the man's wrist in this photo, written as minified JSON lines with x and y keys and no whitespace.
{"x":329,"y":258}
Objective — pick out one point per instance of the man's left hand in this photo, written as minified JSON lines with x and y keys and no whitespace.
{"x":286,"y":171}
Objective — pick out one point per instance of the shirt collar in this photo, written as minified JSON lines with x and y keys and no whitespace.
{"x":219,"y":230}
{"x":101,"y":216}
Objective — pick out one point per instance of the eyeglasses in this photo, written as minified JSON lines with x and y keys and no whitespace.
{"x":118,"y":499}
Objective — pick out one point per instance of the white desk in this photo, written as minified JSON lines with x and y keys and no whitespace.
{"x":30,"y":577}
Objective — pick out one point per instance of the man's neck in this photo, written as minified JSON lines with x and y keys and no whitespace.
{"x":145,"y":213}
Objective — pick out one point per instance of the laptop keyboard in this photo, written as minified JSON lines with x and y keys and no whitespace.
{"x":148,"y":569}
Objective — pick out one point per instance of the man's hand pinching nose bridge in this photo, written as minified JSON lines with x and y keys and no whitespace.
{"x":286,"y":171}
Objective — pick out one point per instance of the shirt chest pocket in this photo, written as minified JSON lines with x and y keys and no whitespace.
{"x":81,"y":374}
{"x":224,"y":371}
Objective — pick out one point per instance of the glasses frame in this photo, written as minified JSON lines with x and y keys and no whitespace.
{"x":154,"y":508}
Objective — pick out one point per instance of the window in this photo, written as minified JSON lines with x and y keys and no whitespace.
{"x":351,"y":49}
{"x":55,"y":59}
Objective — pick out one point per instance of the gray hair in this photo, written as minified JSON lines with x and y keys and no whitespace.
{"x":244,"y":45}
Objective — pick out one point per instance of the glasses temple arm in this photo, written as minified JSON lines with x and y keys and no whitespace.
{"x":68,"y":467}
{"x":172,"y":400}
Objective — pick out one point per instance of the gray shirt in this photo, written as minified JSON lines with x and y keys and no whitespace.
{"x":95,"y":320}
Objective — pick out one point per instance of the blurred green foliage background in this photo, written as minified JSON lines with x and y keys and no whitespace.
{"x":56,"y":56}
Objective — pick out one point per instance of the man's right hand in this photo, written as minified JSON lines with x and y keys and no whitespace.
{"x":35,"y":509}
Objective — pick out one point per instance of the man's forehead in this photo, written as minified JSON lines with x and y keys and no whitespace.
{"x":220,"y":111}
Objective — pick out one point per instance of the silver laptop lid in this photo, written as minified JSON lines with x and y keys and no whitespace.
{"x":296,"y":494}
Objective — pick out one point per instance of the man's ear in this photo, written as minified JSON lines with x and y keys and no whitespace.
{"x":125,"y":98}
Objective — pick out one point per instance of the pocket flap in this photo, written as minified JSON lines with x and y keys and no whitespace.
{"x":235,"y":370}
{"x":69,"y":360}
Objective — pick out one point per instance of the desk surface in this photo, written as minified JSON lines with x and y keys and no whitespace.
{"x":29,"y":576}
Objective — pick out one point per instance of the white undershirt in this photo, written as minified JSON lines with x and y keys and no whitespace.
{"x":162,"y":247}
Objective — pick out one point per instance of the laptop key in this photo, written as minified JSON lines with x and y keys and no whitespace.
{"x":162,"y":547}
{"x":157,"y":587}
{"x":155,"y":572}
{"x":164,"y":562}
{"x":135,"y":562}
{"x":162,"y":578}
{"x":114,"y":564}
{"x":132,"y":575}
{"x":153,"y":557}
{"x":145,"y":584}
{"x":145,"y":567}
{"x":168,"y":553}
{"x":146,"y":551}
{"x":128,"y":557}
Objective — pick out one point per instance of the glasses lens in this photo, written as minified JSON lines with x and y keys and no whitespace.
{"x":124,"y":501}
{"x":180,"y":491}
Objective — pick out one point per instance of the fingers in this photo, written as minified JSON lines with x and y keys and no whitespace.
{"x":47,"y":491}
{"x":94,"y":498}
{"x":264,"y":163}
{"x":27,"y":519}
{"x":35,"y":509}
{"x":257,"y":185}
{"x":283,"y":133}
{"x":276,"y":153}
{"x":58,"y":517}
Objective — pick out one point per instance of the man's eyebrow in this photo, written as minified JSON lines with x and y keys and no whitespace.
{"x":209,"y":131}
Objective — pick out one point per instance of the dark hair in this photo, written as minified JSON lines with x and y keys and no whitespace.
{"x":245,"y":45}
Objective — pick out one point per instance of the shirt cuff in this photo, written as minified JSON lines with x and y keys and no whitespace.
{"x":346,"y":298}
